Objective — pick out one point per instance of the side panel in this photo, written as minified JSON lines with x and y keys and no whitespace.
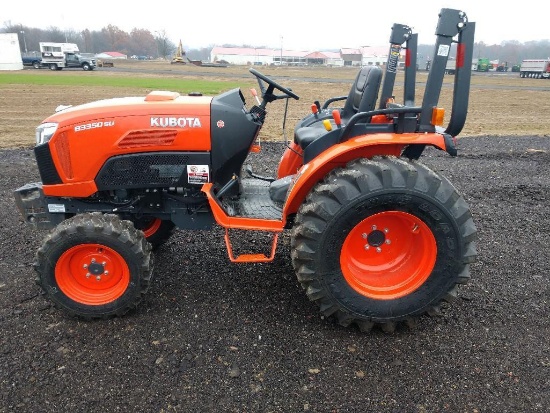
{"x":154,"y":170}
{"x":233,"y":132}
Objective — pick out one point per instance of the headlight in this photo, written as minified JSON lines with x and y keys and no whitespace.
{"x":45,"y":132}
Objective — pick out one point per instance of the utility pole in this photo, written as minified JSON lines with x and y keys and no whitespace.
{"x":24,"y":40}
{"x":281,"y":61}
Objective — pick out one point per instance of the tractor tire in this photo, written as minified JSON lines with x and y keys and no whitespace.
{"x":382,"y":242}
{"x":156,"y":231}
{"x":94,"y":266}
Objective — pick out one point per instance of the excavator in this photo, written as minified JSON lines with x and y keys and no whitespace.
{"x":180,"y":56}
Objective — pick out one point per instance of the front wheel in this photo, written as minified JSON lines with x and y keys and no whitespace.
{"x":36,"y":65}
{"x":85,"y":66}
{"x":382,"y":241}
{"x":156,"y":230}
{"x":53,"y":66}
{"x":94,"y":266}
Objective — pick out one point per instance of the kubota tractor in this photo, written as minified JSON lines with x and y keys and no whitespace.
{"x":377,"y":238}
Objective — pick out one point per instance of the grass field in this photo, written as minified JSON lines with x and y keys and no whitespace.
{"x":500,"y":104}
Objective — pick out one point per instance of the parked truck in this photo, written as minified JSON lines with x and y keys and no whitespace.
{"x":57,"y":56}
{"x":33,"y":60}
{"x":535,"y":68}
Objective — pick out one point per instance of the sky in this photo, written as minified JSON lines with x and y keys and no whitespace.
{"x":294,"y":25}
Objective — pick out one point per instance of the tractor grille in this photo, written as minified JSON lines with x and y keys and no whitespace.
{"x":46,"y":167}
{"x":159,"y":169}
{"x":63,"y":154}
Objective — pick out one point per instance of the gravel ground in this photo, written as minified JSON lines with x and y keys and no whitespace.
{"x":216,"y":336}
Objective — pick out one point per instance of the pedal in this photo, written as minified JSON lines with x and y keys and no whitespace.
{"x":249,"y":172}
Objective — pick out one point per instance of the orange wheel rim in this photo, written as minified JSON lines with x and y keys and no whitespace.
{"x":388,"y":255}
{"x":151,"y":227}
{"x":92,"y":274}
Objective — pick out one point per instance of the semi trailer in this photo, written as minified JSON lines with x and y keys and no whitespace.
{"x":535,"y":68}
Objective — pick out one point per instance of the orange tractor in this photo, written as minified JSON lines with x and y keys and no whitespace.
{"x":377,"y":238}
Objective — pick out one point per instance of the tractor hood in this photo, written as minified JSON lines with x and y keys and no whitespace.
{"x":76,"y":141}
{"x":157,"y":102}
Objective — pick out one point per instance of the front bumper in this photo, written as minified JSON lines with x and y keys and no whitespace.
{"x":32,"y":205}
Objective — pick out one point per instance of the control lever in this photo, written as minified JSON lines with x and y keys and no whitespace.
{"x":255,"y":94}
{"x":314,"y":109}
{"x":337,"y":118}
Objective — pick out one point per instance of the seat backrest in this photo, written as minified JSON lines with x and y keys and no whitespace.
{"x":364,"y":92}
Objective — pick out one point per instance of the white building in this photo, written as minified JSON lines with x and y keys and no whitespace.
{"x":363,"y":56}
{"x":10,"y":52}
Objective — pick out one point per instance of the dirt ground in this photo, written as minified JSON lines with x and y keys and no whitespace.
{"x":214,"y":336}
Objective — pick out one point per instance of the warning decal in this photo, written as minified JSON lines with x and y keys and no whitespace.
{"x":198,"y":174}
{"x":443,"y":50}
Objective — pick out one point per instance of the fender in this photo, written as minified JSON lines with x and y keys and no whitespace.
{"x":366,"y":146}
{"x":291,"y":161}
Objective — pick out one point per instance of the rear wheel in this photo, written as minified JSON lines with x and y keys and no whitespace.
{"x":36,"y":65}
{"x":94,"y":266}
{"x":53,"y":66}
{"x":382,"y":241}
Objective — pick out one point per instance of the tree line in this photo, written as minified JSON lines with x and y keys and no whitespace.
{"x":143,"y":42}
{"x":139,"y":42}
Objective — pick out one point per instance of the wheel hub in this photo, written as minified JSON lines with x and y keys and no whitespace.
{"x":96,"y":269}
{"x":376,"y":238}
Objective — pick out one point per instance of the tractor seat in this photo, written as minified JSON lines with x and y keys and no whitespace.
{"x":362,"y":98}
{"x":364,"y":92}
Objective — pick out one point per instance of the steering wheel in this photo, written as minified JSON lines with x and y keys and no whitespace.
{"x":272,"y":85}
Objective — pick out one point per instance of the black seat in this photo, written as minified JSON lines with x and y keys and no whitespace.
{"x":364,"y":92}
{"x":362,"y":98}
